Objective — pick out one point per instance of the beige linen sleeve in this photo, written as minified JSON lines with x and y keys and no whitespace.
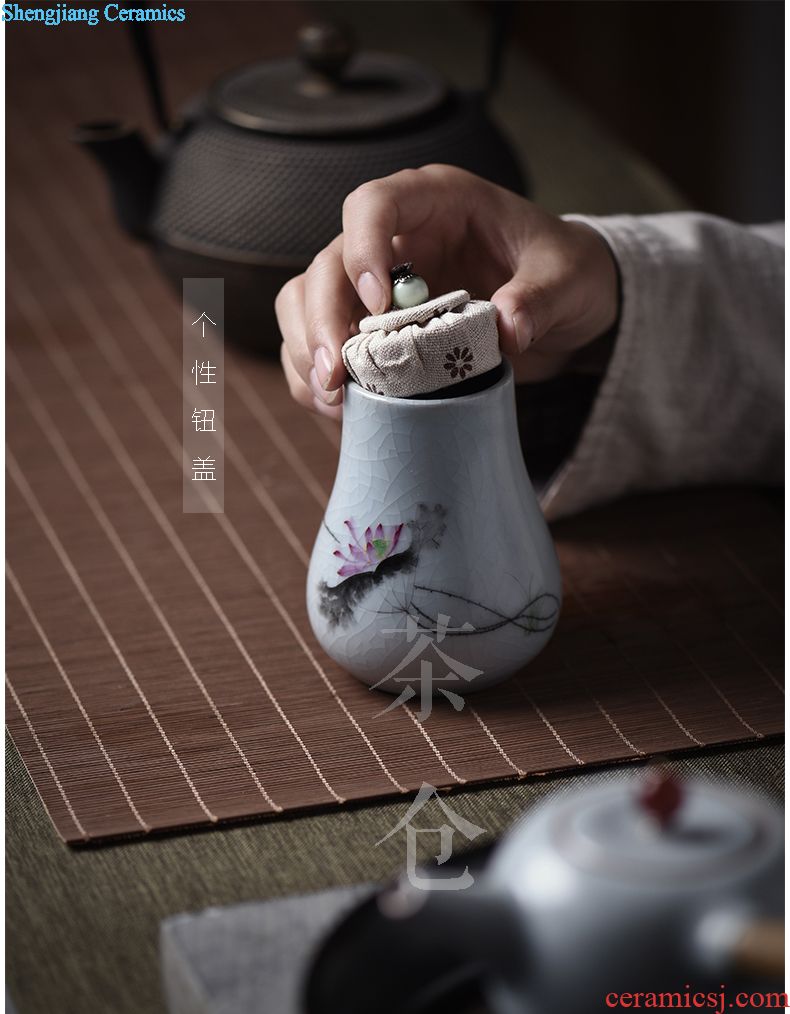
{"x":694,"y":390}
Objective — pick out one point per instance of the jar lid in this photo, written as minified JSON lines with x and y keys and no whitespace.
{"x":328,"y":90}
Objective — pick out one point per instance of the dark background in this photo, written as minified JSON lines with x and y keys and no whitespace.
{"x":696,"y":86}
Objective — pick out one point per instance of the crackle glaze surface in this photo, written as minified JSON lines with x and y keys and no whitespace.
{"x":433,"y":550}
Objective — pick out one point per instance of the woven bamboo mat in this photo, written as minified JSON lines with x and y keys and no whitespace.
{"x":161,"y":670}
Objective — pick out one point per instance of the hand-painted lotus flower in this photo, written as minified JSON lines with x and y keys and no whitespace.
{"x":365,"y":553}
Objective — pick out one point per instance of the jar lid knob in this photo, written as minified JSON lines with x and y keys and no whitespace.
{"x":408,"y":289}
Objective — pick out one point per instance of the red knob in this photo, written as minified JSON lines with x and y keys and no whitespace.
{"x":661,"y":796}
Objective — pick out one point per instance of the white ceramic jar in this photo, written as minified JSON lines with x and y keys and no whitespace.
{"x":433,"y":558}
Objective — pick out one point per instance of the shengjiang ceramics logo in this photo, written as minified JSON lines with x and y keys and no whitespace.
{"x":63,"y":13}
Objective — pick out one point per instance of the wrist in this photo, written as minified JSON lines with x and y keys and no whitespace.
{"x":597,"y":278}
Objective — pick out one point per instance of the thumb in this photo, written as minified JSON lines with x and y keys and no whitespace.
{"x":523,"y":313}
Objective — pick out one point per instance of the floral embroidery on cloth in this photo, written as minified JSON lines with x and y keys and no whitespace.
{"x":459,"y":362}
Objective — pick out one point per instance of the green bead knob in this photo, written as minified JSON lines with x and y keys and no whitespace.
{"x":408,"y":289}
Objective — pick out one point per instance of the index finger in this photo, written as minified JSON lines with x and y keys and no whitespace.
{"x":374,"y":214}
{"x":330,"y":305}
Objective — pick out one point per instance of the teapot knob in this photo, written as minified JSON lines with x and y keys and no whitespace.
{"x":661,"y":797}
{"x":325,"y":47}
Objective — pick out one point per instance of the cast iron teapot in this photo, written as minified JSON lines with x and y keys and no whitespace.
{"x":652,"y":886}
{"x":250,"y":185}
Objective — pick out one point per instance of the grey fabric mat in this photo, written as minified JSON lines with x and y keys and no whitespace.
{"x":248,"y":959}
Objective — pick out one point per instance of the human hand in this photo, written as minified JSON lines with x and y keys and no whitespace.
{"x":554,"y":283}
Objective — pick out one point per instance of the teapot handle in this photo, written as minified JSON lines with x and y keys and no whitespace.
{"x":149,"y":67}
{"x":501,"y":24}
{"x":760,"y":950}
{"x":742,"y":941}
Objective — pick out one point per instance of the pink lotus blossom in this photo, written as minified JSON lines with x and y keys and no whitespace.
{"x":367,"y":552}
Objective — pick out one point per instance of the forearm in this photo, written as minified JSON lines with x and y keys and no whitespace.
{"x":693,"y":391}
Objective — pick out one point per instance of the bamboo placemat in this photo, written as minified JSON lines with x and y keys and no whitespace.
{"x":161,"y":670}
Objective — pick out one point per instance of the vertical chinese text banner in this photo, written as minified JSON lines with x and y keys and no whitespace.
{"x":203,"y":388}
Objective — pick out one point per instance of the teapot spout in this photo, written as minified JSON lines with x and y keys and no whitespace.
{"x":131,"y":168}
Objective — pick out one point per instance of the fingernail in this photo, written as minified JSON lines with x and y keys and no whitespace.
{"x":320,"y":392}
{"x":371,"y":292}
{"x":323,"y":364}
{"x":522,"y":326}
{"x":331,"y":412}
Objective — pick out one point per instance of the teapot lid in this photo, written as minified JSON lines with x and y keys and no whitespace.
{"x":710,"y":832}
{"x":328,"y":90}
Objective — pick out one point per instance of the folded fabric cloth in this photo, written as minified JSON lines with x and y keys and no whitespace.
{"x":424,"y":348}
{"x":252,"y":958}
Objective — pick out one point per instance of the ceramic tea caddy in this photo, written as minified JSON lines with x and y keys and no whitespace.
{"x":612,"y":890}
{"x":248,"y":184}
{"x":433,"y":560}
